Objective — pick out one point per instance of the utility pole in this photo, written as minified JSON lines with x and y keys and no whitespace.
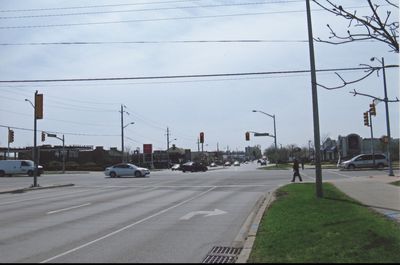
{"x":317,"y":155}
{"x":387,"y":118}
{"x":122,"y":132}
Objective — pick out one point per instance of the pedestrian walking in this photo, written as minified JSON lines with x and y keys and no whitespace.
{"x":296,"y":171}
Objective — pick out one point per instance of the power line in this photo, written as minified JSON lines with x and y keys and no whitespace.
{"x":94,"y":6}
{"x":158,"y":19}
{"x":189,"y":76}
{"x":66,"y":133}
{"x":152,"y":42}
{"x":139,"y":10}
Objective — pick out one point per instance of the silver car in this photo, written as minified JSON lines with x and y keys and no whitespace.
{"x":365,"y":161}
{"x":126,"y":169}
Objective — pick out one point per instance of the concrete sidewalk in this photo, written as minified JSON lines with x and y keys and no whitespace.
{"x":375,"y":192}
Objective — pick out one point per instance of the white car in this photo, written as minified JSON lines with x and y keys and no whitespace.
{"x":18,"y":167}
{"x":236,"y":163}
{"x":126,"y":169}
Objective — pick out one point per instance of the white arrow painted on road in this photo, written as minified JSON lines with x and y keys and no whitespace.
{"x":205,"y":213}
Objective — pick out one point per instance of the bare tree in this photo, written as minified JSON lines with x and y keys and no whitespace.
{"x":380,"y":26}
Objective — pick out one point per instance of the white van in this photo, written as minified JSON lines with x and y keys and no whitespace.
{"x":14,"y":167}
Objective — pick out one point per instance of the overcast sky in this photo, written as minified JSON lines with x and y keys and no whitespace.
{"x":150,"y":39}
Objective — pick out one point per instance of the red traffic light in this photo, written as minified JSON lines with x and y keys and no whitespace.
{"x":202,"y":137}
{"x":247,"y":136}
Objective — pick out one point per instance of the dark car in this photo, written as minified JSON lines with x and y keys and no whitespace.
{"x":193,"y":167}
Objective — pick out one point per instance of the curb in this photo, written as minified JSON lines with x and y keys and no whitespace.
{"x":36,"y":188}
{"x":252,"y":231}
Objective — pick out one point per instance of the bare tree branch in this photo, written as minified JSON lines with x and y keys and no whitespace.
{"x":355,"y":93}
{"x":345,"y":83}
{"x":371,"y":27}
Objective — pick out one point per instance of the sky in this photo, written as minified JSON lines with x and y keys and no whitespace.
{"x":88,"y":39}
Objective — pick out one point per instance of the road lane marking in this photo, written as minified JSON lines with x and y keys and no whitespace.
{"x":43,"y":197}
{"x":126,"y":227}
{"x":69,"y":208}
{"x":205,"y":213}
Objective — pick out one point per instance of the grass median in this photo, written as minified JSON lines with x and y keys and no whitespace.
{"x":300,"y":228}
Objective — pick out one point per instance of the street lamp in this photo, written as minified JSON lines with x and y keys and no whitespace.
{"x":276,"y":149}
{"x":387,"y":113}
{"x":34,"y":156}
{"x":122,"y":139}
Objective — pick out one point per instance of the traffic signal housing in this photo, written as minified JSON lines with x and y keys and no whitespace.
{"x":372,"y":109}
{"x":10,"y":136}
{"x":247,"y":136}
{"x":366,"y":119}
{"x":202,"y":137}
{"x":43,"y":136}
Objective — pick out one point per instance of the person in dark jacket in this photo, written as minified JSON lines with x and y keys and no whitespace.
{"x":296,"y":171}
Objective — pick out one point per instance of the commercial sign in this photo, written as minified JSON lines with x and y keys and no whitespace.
{"x":147,"y":148}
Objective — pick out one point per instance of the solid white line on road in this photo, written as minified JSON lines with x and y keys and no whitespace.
{"x":339,"y":174}
{"x":43,"y":197}
{"x":69,"y":208}
{"x":127,"y":227}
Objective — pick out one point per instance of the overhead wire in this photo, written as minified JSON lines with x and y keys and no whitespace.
{"x":139,"y":10}
{"x":160,"y":19}
{"x":191,"y":75}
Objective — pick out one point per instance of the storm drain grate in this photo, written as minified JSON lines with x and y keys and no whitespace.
{"x":222,"y":255}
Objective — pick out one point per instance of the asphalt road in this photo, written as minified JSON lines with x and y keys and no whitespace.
{"x":170,"y":217}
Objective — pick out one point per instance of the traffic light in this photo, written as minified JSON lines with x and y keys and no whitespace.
{"x":202,"y":137}
{"x":366,"y":120}
{"x":372,"y":109}
{"x":247,"y":136}
{"x":10,"y":136}
{"x":43,"y":136}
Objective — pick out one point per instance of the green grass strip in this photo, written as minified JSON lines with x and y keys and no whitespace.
{"x":300,"y":228}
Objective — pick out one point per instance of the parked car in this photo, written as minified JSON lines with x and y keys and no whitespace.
{"x":126,"y":169}
{"x":18,"y":167}
{"x":263,"y":163}
{"x":213,"y":164}
{"x":236,"y":163}
{"x":193,"y":167}
{"x":365,"y":161}
{"x":227,"y":164}
{"x":176,"y":167}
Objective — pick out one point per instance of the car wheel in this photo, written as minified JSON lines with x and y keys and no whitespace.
{"x":183,"y":170}
{"x":138,"y":174}
{"x":113,"y":174}
{"x":351,"y":167}
{"x":2,"y":173}
{"x":380,"y":166}
{"x":30,"y":173}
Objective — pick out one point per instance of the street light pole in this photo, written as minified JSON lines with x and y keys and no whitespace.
{"x":276,"y":148}
{"x":34,"y":154}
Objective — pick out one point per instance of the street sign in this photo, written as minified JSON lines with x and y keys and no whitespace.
{"x":261,"y":134}
{"x":51,"y":135}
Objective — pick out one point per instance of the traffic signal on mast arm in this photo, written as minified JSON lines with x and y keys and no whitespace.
{"x":10,"y":136}
{"x":366,"y":120}
{"x":43,"y":136}
{"x":247,"y":136}
{"x":372,"y":109}
{"x":202,"y":137}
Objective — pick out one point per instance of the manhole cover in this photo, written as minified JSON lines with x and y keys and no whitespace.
{"x":222,"y":255}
